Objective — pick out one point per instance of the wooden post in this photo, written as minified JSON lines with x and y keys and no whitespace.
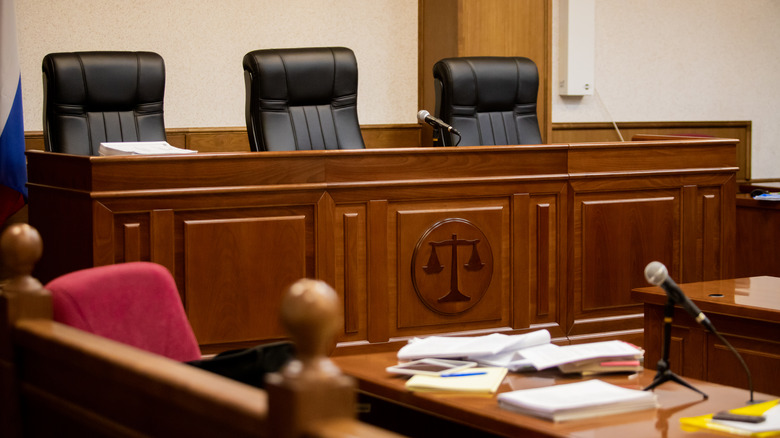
{"x":310,"y":389}
{"x":21,"y":296}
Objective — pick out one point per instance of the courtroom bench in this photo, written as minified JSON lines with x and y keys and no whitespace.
{"x":61,"y":381}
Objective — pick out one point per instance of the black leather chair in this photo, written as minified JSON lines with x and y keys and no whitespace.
{"x":94,"y":97}
{"x":490,"y":100}
{"x":302,"y":99}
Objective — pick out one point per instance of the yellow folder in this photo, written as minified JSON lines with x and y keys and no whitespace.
{"x":737,"y":428}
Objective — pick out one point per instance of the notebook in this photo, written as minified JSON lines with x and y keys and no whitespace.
{"x":482,"y":380}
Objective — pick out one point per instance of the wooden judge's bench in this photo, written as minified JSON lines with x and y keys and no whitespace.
{"x":416,"y":241}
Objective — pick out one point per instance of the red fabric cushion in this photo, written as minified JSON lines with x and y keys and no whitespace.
{"x":134,"y":303}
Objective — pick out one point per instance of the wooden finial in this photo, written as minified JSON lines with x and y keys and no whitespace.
{"x":311,"y":313}
{"x":21,"y":248}
{"x":310,"y":388}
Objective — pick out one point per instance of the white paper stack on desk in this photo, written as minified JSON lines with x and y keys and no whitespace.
{"x":528,"y":352}
{"x":141,"y":148}
{"x":573,"y":401}
{"x":590,"y":358}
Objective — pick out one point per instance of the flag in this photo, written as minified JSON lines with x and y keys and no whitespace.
{"x":13,"y":167}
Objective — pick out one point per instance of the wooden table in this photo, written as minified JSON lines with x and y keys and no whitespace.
{"x":483,"y":414}
{"x":746,"y":311}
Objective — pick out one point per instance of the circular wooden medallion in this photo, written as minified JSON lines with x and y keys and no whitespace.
{"x":452,"y":266}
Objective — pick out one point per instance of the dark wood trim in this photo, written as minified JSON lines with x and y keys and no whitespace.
{"x":603,"y":131}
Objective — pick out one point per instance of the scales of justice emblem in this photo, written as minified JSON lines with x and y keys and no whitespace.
{"x":452,"y":266}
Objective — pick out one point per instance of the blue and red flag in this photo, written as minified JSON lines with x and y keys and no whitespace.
{"x":13,"y":167}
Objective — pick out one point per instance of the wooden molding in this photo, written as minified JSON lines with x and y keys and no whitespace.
{"x":588,"y":132}
{"x":234,"y":139}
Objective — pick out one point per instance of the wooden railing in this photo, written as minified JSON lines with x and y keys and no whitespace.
{"x":58,"y":380}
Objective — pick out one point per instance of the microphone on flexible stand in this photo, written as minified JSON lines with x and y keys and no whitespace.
{"x":425,"y":117}
{"x":440,"y":125}
{"x":657,"y":274}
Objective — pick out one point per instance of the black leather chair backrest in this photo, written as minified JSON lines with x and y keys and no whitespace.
{"x":302,"y":99}
{"x":491,"y":100}
{"x":94,"y":97}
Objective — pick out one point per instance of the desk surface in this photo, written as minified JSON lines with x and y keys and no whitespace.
{"x":752,"y":297}
{"x":483,"y":412}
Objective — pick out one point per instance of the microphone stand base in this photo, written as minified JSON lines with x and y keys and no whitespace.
{"x":665,"y":375}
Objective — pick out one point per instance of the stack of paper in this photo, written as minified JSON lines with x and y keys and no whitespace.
{"x":531,"y":351}
{"x":141,"y":148}
{"x":471,"y":381}
{"x":594,"y":357}
{"x":494,"y":350}
{"x":590,"y":398}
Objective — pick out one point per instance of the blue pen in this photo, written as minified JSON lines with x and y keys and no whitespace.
{"x":464,"y":374}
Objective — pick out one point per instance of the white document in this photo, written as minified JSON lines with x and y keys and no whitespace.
{"x":548,"y":358}
{"x":451,"y":347}
{"x":571,"y":401}
{"x":141,"y":148}
{"x":514,"y":360}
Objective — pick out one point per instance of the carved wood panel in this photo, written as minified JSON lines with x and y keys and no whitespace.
{"x":433,"y":291}
{"x":264,"y":256}
{"x":616,"y":236}
{"x":351,"y":269}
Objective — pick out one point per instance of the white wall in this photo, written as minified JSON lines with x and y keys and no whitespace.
{"x":204,"y":41}
{"x":656,"y":60}
{"x":686,"y":60}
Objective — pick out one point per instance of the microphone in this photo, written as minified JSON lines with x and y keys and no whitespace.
{"x":425,"y":117}
{"x":656,"y":274}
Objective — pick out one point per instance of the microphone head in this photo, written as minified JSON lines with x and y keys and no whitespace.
{"x":421,"y":115}
{"x":656,"y":273}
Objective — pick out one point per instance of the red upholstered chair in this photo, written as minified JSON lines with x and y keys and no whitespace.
{"x":134,"y":303}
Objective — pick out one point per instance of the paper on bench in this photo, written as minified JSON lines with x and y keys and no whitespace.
{"x":451,"y":347}
{"x":141,"y":148}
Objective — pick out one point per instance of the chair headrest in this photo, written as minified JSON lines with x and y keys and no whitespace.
{"x":323,"y":75}
{"x":104,"y":81}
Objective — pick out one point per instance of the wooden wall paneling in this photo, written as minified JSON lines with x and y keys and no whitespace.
{"x":601,"y":132}
{"x":615,"y":236}
{"x":63,"y":252}
{"x":391,"y":136}
{"x":759,"y":350}
{"x":711,"y":232}
{"x":547,"y":269}
{"x":105,"y":235}
{"x":325,"y":263}
{"x":162,"y":238}
{"x":378,"y":299}
{"x":757,"y":234}
{"x":543,"y":259}
{"x":213,"y":139}
{"x":352,"y":271}
{"x":691,"y":237}
{"x":521,"y":261}
{"x":238,"y":307}
{"x":132,"y":242}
